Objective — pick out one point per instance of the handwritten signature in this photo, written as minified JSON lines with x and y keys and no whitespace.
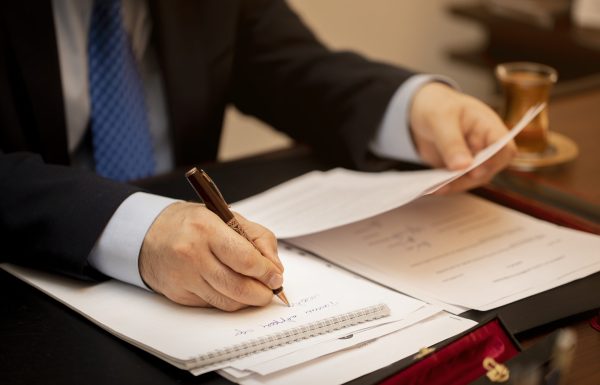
{"x":305,"y":300}
{"x":280,"y":321}
{"x":327,"y":305}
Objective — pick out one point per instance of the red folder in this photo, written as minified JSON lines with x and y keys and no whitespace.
{"x":480,"y":351}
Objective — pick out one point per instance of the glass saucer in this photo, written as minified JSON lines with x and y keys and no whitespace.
{"x":561,"y":149}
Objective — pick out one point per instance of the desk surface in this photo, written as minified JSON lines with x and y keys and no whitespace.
{"x":573,"y":186}
{"x":43,"y":341}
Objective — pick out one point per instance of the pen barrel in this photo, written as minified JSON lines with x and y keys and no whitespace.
{"x":212,"y":198}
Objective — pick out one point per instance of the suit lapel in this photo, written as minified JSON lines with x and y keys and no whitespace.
{"x":31,"y":29}
{"x":194,"y":40}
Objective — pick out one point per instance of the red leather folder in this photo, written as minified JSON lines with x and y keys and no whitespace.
{"x":479,"y":351}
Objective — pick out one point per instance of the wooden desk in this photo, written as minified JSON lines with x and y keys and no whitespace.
{"x":573,"y":186}
{"x":587,"y":370}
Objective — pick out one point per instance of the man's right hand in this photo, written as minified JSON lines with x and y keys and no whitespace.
{"x":193,"y":258}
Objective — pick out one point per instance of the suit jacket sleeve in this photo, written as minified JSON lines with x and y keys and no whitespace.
{"x":51,"y":216}
{"x":333,"y":101}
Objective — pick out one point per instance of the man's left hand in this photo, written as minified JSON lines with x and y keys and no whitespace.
{"x":449,"y":128}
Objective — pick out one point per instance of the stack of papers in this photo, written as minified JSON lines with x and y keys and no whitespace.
{"x":393,"y":263}
{"x":352,"y":359}
{"x":331,"y":310}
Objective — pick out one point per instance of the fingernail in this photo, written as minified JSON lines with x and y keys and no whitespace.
{"x":275,"y":281}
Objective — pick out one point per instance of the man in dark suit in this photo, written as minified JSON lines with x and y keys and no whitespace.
{"x":194,"y":57}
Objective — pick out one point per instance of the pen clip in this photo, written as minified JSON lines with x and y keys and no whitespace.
{"x":213,"y":186}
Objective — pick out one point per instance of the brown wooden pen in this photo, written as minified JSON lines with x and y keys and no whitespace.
{"x":214,"y":201}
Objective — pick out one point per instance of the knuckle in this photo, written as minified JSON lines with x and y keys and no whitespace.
{"x":196,"y":224}
{"x":246,"y":263}
{"x":270,"y":236}
{"x":196,"y":219}
{"x":240,"y":290}
{"x":224,"y":303}
{"x":221,"y":278}
{"x":183,"y":250}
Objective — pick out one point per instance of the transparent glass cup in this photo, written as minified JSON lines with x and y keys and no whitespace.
{"x":526,"y":84}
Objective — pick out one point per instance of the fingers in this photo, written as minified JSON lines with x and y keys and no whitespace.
{"x":213,"y":299}
{"x":466,"y":182}
{"x":436,"y":125}
{"x":230,"y":285}
{"x":450,"y":143}
{"x":484,"y":128}
{"x":263,"y":239}
{"x":190,"y":256}
{"x":241,"y":256}
{"x":449,"y":128}
{"x":482,"y":174}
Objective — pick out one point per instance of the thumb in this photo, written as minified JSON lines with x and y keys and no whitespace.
{"x":451,"y":145}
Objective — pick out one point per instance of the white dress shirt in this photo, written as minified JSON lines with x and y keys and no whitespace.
{"x":117,"y":250}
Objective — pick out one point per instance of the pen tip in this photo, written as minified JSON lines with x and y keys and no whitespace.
{"x":283,"y":298}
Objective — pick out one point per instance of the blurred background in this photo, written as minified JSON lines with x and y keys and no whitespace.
{"x":463,"y":39}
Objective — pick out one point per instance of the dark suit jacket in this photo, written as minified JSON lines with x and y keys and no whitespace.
{"x":256,"y":54}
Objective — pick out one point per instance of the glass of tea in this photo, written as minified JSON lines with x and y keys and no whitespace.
{"x":526,"y":84}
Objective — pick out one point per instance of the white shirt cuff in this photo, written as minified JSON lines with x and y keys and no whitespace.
{"x":117,"y":250}
{"x":393,"y":139}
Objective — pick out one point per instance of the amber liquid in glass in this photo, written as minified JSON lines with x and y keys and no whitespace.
{"x":524,"y":89}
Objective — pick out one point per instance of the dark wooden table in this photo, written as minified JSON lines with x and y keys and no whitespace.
{"x":573,"y":186}
{"x":587,"y":362}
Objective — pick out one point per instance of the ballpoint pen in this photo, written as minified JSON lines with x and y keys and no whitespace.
{"x":214,"y":201}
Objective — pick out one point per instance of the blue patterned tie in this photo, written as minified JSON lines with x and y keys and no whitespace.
{"x":119,"y":120}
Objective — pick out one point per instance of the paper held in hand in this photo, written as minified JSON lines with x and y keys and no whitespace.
{"x":458,"y":252}
{"x":319,"y":200}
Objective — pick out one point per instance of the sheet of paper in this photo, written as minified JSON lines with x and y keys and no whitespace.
{"x":349,"y":364}
{"x":179,"y":334}
{"x":461,"y":250}
{"x":322,"y":200}
{"x":338,"y":344}
{"x":319,"y":345}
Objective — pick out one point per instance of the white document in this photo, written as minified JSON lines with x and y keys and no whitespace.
{"x":267,"y":365}
{"x":322,"y":200}
{"x":365,"y":358}
{"x":189,"y":338}
{"x":461,"y":250}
